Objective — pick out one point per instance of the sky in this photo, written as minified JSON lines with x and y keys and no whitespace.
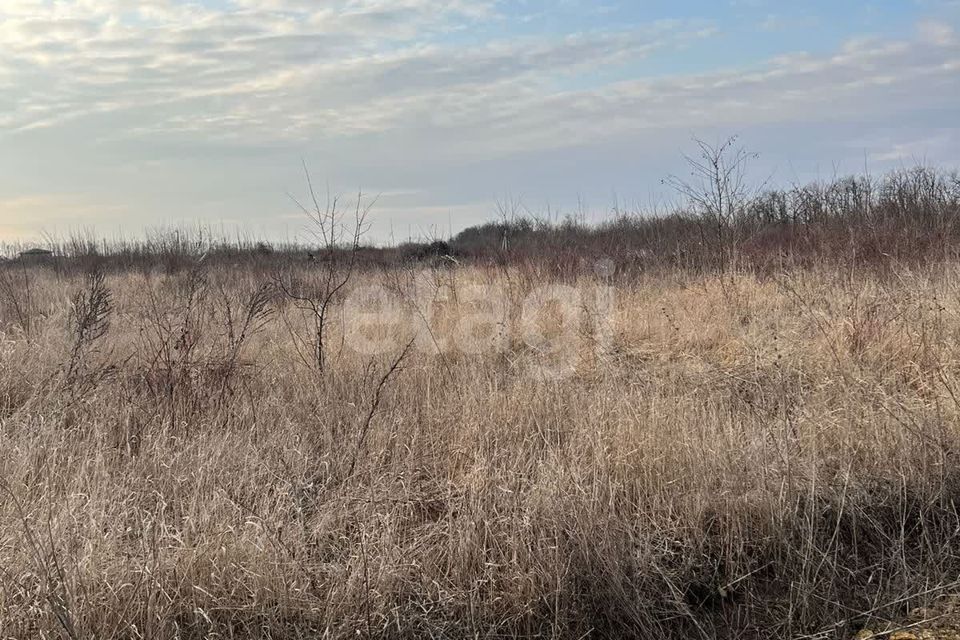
{"x":120,"y":117}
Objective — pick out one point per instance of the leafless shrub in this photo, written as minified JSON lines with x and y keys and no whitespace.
{"x":174,"y":325}
{"x":16,"y":289}
{"x":339,"y":235}
{"x":90,"y":318}
{"x":717,"y":190}
{"x":241,"y":325}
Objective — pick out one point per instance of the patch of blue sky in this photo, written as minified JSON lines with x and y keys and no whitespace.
{"x":698,"y":36}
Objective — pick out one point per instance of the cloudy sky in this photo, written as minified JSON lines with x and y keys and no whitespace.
{"x":123,"y":115}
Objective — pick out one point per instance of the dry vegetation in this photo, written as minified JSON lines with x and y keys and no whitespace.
{"x":751,"y":452}
{"x":770,"y":455}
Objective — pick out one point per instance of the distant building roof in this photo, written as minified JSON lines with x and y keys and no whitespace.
{"x":36,"y":252}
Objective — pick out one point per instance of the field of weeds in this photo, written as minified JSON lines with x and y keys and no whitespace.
{"x":475,"y":451}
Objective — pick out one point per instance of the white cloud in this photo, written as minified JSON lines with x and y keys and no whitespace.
{"x":937,"y":32}
{"x":267,"y":70}
{"x":926,"y":149}
{"x":276,"y":67}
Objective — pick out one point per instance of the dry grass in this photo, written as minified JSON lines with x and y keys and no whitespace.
{"x":742,"y":457}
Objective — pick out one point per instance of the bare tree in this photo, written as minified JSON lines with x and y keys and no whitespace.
{"x":716,"y":189}
{"x":339,"y":234}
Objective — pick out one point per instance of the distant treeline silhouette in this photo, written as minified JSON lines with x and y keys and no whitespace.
{"x":908,"y":215}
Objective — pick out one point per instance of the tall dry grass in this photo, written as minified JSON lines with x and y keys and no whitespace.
{"x":744,"y":456}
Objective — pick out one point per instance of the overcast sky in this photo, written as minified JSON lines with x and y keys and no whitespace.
{"x":122,"y":115}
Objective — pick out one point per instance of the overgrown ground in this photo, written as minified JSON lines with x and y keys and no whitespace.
{"x":738,"y":456}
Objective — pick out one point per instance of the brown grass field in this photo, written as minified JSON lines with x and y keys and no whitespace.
{"x":669,"y":454}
